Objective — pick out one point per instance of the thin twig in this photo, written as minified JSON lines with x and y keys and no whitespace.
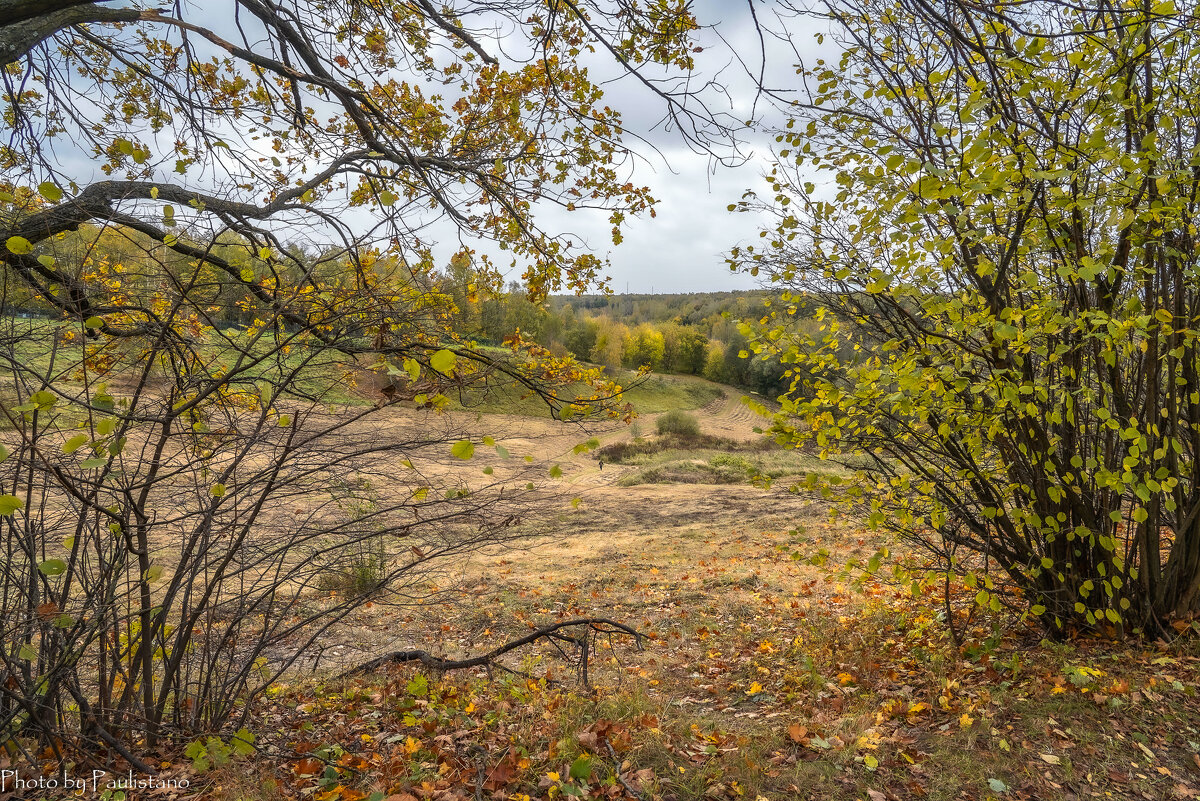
{"x":617,"y":768}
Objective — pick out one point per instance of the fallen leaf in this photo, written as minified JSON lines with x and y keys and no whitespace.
{"x":308,"y":767}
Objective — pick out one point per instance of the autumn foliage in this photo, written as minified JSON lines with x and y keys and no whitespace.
{"x":996,"y":212}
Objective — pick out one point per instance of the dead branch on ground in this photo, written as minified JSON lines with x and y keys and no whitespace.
{"x":590,"y":626}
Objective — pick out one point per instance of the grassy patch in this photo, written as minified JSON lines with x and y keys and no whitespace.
{"x":650,"y":395}
{"x":637,"y":451}
{"x":318,"y":375}
{"x":704,"y":459}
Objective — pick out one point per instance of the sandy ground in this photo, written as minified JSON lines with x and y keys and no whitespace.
{"x":596,"y":522}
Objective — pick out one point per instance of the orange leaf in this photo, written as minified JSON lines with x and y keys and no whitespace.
{"x":307,"y":767}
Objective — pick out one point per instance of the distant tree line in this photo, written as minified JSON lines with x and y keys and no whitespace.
{"x":698,"y":334}
{"x":691,"y":334}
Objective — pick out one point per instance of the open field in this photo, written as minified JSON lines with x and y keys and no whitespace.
{"x":764,"y":675}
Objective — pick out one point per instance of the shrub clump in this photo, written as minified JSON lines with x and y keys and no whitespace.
{"x":678,"y":422}
{"x":360,"y":576}
{"x":630,"y":451}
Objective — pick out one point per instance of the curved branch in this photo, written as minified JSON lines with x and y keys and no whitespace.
{"x":598,"y":624}
{"x":457,"y":32}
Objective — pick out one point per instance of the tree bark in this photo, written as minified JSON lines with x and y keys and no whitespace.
{"x":25,"y":24}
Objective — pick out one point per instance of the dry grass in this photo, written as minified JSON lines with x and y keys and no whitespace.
{"x":764,"y":675}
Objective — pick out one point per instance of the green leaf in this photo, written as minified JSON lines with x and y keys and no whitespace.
{"x":997,"y":786}
{"x":556,"y":472}
{"x":218,"y":490}
{"x":871,"y":762}
{"x":581,"y":768}
{"x":418,"y":686}
{"x":91,"y":464}
{"x":9,"y":504}
{"x":3,"y":452}
{"x":413,"y":368}
{"x":44,"y":399}
{"x":198,"y":754}
{"x":386,"y":198}
{"x":52,"y":567}
{"x":19,"y":245}
{"x":463,"y":449}
{"x":94,"y":323}
{"x":50,"y":191}
{"x":75,"y":443}
{"x":243,"y":742}
{"x":443,"y":361}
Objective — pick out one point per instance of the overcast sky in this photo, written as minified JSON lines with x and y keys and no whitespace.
{"x":682,"y":249}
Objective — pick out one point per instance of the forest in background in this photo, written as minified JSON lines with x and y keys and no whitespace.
{"x":693,"y":333}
